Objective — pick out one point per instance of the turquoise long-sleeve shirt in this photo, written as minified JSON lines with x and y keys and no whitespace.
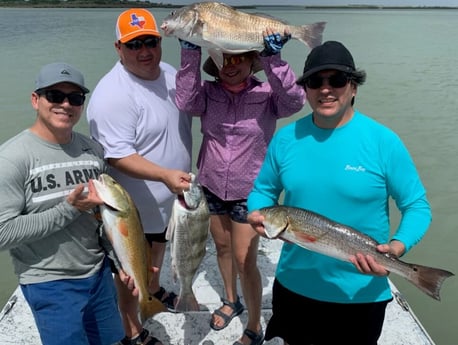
{"x":347,"y":174}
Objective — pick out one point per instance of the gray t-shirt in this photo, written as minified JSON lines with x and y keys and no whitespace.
{"x":48,"y":239}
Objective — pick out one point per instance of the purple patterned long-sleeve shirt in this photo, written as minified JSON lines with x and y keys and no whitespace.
{"x":238,"y":127}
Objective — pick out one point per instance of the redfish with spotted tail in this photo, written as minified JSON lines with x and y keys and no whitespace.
{"x":317,"y":233}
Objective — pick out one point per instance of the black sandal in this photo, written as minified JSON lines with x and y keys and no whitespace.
{"x":237,"y":309}
{"x":144,"y":338}
{"x":169,"y":301}
{"x":256,"y":338}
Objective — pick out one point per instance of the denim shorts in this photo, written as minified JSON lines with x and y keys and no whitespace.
{"x":76,"y":311}
{"x":236,"y":209}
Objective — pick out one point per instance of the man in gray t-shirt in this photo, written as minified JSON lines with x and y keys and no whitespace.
{"x":46,"y":218}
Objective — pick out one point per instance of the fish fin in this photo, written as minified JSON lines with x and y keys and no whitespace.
{"x":149,"y":307}
{"x":199,"y":28}
{"x":428,"y":279}
{"x":149,"y":261}
{"x":311,"y":35}
{"x":172,"y":224}
{"x":268,"y":16}
{"x":304,"y":237}
{"x":108,"y":232}
{"x":123,"y":228}
{"x":187,"y":302}
{"x":217,"y":57}
{"x":113,"y":205}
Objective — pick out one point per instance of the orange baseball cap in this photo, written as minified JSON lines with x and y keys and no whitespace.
{"x":135,"y":22}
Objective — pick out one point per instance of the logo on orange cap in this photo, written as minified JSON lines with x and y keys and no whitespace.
{"x":135,"y":22}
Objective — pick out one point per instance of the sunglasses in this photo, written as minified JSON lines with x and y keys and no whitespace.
{"x":337,"y":80}
{"x":56,"y":96}
{"x":137,"y":44}
{"x":234,"y":60}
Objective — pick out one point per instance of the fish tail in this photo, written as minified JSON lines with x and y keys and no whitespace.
{"x":187,"y":302}
{"x":150,"y":307}
{"x":311,"y":34}
{"x":429,"y":279}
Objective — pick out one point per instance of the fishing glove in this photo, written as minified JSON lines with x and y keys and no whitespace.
{"x":273,"y":44}
{"x":187,"y":45}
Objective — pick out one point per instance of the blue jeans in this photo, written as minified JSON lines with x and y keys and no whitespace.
{"x":76,"y":311}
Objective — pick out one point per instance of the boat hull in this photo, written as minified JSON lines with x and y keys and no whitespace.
{"x":401,"y":325}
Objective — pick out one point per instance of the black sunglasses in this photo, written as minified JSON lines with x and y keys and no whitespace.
{"x":137,"y":44}
{"x":56,"y":96}
{"x":337,"y":80}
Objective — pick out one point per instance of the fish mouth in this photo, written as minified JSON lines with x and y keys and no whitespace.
{"x":181,"y":200}
{"x":167,"y":31}
{"x":272,"y":231}
{"x":183,"y":203}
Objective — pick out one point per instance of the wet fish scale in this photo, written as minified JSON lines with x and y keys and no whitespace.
{"x":217,"y":26}
{"x":122,"y":224}
{"x":317,"y":233}
{"x":187,"y":232}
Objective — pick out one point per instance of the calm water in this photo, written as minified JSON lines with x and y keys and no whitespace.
{"x":411,"y":59}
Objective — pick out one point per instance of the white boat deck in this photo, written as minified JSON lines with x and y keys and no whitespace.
{"x":401,"y":326}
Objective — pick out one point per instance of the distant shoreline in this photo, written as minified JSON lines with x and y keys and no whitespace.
{"x":142,"y":4}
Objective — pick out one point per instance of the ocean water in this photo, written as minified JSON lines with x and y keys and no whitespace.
{"x":411,"y":60}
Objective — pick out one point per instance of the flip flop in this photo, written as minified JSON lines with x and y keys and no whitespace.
{"x":237,"y":309}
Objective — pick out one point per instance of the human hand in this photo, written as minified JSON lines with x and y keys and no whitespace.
{"x":84,"y":201}
{"x":177,"y":181}
{"x":188,"y":45}
{"x":128,"y":281}
{"x":255,"y":219}
{"x":274,"y":42}
{"x":366,"y":263}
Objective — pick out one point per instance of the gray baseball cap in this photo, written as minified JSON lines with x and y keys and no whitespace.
{"x":59,"y":72}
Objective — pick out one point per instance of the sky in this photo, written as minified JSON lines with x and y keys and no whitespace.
{"x":452,"y":3}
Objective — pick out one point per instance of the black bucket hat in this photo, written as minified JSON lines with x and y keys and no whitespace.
{"x":329,"y":55}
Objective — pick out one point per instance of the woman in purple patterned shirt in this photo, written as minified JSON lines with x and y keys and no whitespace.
{"x":238,"y":114}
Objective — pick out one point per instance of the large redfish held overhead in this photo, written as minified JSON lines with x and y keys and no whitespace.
{"x":121,"y":222}
{"x":317,"y":233}
{"x":219,"y":27}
